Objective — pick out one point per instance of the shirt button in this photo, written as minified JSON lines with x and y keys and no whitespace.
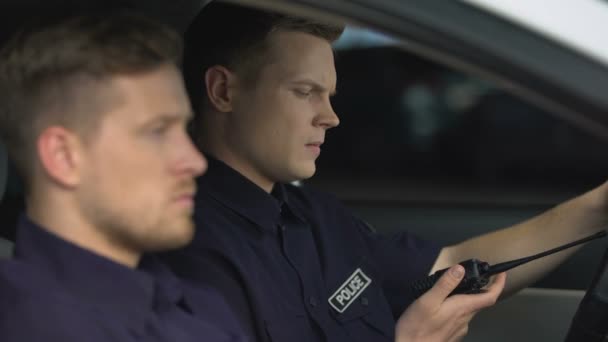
{"x":364,"y":301}
{"x":313,"y":301}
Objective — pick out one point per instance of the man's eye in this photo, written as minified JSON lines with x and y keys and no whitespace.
{"x":159,"y":130}
{"x":302,"y":93}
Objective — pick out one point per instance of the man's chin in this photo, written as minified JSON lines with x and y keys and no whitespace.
{"x":179,"y":234}
{"x":304,"y":172}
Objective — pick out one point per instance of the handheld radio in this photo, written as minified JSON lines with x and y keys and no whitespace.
{"x":477,"y":273}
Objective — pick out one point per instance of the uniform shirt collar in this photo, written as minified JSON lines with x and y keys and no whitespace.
{"x":128,"y":294}
{"x":242,"y":196}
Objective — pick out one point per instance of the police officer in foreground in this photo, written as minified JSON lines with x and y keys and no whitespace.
{"x":93,"y":113}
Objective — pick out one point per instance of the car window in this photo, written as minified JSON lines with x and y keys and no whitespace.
{"x":406,"y":118}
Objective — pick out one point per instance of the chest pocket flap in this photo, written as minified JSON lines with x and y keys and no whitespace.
{"x":359,"y":304}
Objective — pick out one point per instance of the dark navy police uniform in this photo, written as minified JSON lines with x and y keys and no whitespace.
{"x":53,"y":290}
{"x":295,"y":264}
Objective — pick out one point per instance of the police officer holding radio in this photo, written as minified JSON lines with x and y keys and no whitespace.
{"x":294,"y":262}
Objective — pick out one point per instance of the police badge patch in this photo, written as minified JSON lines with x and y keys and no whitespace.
{"x":350,"y":290}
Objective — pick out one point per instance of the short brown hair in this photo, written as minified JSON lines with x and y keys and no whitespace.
{"x":47,"y":69}
{"x":236,"y":37}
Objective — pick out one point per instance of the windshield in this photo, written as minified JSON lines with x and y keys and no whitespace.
{"x":581,"y":24}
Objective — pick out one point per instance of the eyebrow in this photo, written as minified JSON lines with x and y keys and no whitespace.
{"x":169,"y":118}
{"x":315,"y":86}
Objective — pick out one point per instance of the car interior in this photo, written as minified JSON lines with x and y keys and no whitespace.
{"x":5,"y":246}
{"x":427,"y":147}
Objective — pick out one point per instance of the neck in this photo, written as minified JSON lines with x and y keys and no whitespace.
{"x":209,"y":144}
{"x":246,"y":171}
{"x":59,"y":216}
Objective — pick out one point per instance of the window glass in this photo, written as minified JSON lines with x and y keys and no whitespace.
{"x":407,"y":118}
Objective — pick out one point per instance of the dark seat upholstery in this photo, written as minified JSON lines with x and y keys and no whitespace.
{"x":4,"y":245}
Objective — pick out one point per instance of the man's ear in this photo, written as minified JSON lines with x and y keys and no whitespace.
{"x":220,"y":83}
{"x":59,"y":154}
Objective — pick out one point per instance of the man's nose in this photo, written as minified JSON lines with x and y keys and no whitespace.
{"x":327,"y":118}
{"x":192,"y":161}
